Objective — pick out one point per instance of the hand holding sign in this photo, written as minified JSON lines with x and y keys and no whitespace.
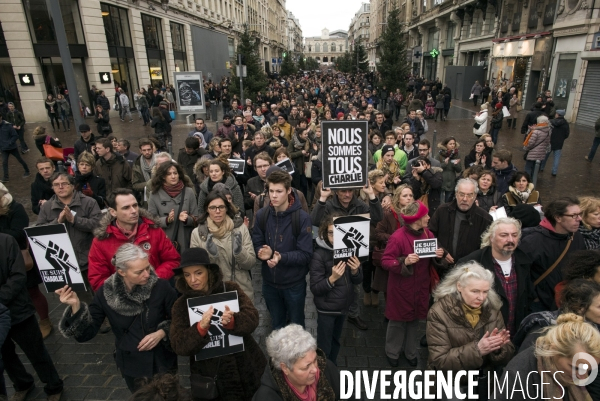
{"x":337,"y":272}
{"x":411,"y":259}
{"x":227,"y":316}
{"x":69,"y":297}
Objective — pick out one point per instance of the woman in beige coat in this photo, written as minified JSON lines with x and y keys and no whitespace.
{"x":227,"y":240}
{"x":514,"y":111}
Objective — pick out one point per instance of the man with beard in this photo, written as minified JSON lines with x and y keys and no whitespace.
{"x":510,"y":265}
{"x":226,"y":129}
{"x":142,"y":168}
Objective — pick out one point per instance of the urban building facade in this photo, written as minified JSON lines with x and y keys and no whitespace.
{"x":129,"y":44}
{"x":359,"y":26}
{"x":294,"y":36}
{"x":327,"y":47}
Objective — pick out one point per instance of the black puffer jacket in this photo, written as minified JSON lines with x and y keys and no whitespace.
{"x":331,"y":299}
{"x":40,"y":190}
{"x":560,"y":132}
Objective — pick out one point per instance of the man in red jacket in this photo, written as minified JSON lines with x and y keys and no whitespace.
{"x":126,"y":222}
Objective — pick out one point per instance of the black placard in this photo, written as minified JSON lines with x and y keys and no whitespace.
{"x":425,"y":248}
{"x":351,"y":237}
{"x":26,"y":79}
{"x":345,"y":154}
{"x":105,"y":77}
{"x":237,"y":165}
{"x":286,"y":165}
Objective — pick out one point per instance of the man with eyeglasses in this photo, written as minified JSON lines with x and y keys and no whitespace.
{"x":458,"y":225}
{"x":79,"y":213}
{"x":550,"y":246}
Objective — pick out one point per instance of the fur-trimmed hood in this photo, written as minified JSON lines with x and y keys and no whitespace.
{"x":101,"y":232}
{"x":442,"y":147}
{"x":127,"y":303}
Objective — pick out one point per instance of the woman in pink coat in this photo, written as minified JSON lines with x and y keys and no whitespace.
{"x":408,"y":284}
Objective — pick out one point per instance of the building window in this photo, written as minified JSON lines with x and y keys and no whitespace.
{"x":433,"y":39}
{"x":41,"y":26}
{"x":116,"y":26}
{"x":179,"y":53}
{"x":450,"y":35}
{"x":153,"y":38}
{"x":231,"y":47}
{"x":325,"y":48}
{"x":318,"y":48}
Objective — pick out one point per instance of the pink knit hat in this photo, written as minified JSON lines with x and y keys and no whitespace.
{"x":423,"y":210}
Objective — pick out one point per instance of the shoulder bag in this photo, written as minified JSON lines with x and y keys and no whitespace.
{"x":176,"y":244}
{"x":27,"y":257}
{"x":551,"y":268}
{"x":51,"y":152}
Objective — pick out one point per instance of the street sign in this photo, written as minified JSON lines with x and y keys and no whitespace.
{"x":243,"y":73}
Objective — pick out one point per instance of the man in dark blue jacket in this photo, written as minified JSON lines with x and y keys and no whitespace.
{"x":8,"y":146}
{"x":285,"y":254}
{"x":560,"y":133}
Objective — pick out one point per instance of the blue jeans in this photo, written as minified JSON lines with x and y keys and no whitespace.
{"x":329,"y":332}
{"x":594,"y":147}
{"x":284,"y":302}
{"x":557,"y":154}
{"x":495,"y":132}
{"x":529,"y":167}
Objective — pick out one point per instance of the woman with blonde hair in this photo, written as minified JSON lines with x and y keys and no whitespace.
{"x":590,"y":221}
{"x":465,"y":328}
{"x":558,"y":365}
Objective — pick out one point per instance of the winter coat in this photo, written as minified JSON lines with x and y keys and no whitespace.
{"x":103,"y":123}
{"x":525,"y":291}
{"x":255,"y":185}
{"x":160,"y":205}
{"x":87,"y":216}
{"x":239,"y":373}
{"x":272,"y":389}
{"x":83,"y":146}
{"x":476,"y":89}
{"x":503,"y":177}
{"x":544,"y":246}
{"x":15,"y":118}
{"x":416,"y":126}
{"x":560,"y":132}
{"x":262,"y":201}
{"x":482,"y":119}
{"x":13,"y":222}
{"x":132,"y":316}
{"x":439,"y":101}
{"x":408,"y":286}
{"x":238,"y":198}
{"x":431,"y":185}
{"x":489,"y":199}
{"x":450,"y":170}
{"x":103,"y":101}
{"x":91,"y":182}
{"x":161,"y":253}
{"x":296,"y":156}
{"x":538,"y":143}
{"x":383,"y":231}
{"x":514,"y":112}
{"x":331,"y":299}
{"x":41,"y":189}
{"x":13,"y":278}
{"x":115,"y":171}
{"x":497,"y":117}
{"x":295,"y":252}
{"x":63,"y":107}
{"x":40,"y":140}
{"x":471,"y":158}
{"x":235,"y":268}
{"x":8,"y":136}
{"x":186,"y":161}
{"x":510,"y":198}
{"x":452,"y":341}
{"x":530,"y":119}
{"x":469,"y":234}
{"x":356,"y":206}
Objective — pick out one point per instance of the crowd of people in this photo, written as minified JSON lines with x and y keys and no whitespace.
{"x":150,"y":231}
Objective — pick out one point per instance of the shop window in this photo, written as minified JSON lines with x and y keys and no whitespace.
{"x":152,"y":32}
{"x":179,"y":53}
{"x":41,"y":26}
{"x":450,"y":35}
{"x":116,"y":25}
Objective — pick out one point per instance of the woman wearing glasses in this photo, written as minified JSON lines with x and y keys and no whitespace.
{"x":227,"y":241}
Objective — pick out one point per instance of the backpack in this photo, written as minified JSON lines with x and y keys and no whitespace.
{"x":262,"y":222}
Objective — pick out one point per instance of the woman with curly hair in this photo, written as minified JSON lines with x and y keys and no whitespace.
{"x":219,"y":171}
{"x":168,"y":192}
{"x":590,"y":221}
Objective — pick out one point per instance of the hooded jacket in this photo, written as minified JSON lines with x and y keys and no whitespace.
{"x":41,"y":189}
{"x":239,"y":373}
{"x":238,"y":198}
{"x":331,"y":299}
{"x":503,"y":178}
{"x":560,"y":132}
{"x":83,"y":146}
{"x":132,"y":316}
{"x":115,"y":171}
{"x":295,"y":252}
{"x":161,"y":253}
{"x":544,"y":245}
{"x":538,"y":142}
{"x":86,"y":219}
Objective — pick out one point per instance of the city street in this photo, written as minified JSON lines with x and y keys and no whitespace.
{"x":88,"y":369}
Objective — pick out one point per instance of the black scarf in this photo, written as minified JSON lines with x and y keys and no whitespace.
{"x":211,"y":183}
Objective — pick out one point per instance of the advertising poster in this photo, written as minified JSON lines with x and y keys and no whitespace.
{"x":221,"y":341}
{"x":190,"y":91}
{"x":55,"y":257}
{"x":351,"y":237}
{"x":345,"y":154}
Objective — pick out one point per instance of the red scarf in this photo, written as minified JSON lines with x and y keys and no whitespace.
{"x":129,"y":234}
{"x":310,"y":392}
{"x":173,"y":190}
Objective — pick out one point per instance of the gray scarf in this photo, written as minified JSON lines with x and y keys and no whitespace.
{"x":147,"y":169}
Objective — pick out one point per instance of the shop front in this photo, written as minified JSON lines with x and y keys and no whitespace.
{"x":9,"y":91}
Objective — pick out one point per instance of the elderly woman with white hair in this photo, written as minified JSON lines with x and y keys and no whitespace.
{"x":297,"y":369}
{"x":536,"y":143}
{"x":465,"y":328}
{"x":138,"y":306}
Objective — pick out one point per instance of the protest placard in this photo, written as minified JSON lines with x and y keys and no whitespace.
{"x":345,"y":154}
{"x":286,"y":165}
{"x":237,"y":165}
{"x":351,"y":237}
{"x":222,"y":342}
{"x":425,"y":248}
{"x":55,"y":257}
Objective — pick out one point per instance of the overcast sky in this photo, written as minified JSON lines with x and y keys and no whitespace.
{"x":315,"y":15}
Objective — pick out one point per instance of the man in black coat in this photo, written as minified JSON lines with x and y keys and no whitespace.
{"x":259,"y":146}
{"x":560,"y":132}
{"x":531,"y":117}
{"x":24,"y":330}
{"x":510,"y":266}
{"x":86,"y":141}
{"x":41,"y":189}
{"x":189,"y":155}
{"x":102,"y":100}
